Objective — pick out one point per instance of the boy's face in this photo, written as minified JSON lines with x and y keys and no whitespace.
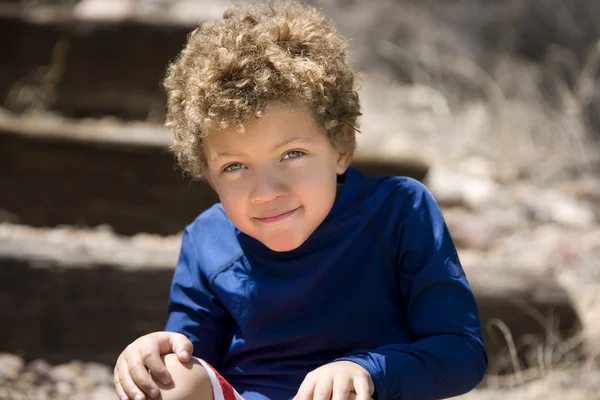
{"x":277,"y":180}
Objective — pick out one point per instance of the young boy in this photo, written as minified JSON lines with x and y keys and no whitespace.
{"x":308,"y":279}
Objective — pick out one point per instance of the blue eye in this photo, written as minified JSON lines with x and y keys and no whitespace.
{"x":293,"y":154}
{"x":233,"y":167}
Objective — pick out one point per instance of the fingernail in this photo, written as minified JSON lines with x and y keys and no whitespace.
{"x":184,"y":354}
{"x":153,"y":393}
{"x":139,"y":397}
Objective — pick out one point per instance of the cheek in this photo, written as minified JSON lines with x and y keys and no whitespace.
{"x":233,"y":199}
{"x":232,"y":190}
{"x":316,"y":188}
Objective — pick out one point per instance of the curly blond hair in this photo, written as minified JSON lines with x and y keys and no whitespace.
{"x":231,"y":69}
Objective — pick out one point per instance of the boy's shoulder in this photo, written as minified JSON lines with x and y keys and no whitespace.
{"x":400,"y":188}
{"x":215,"y":239}
{"x":404,"y":183}
{"x":391,"y":199}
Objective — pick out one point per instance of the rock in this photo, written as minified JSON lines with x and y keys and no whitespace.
{"x":529,"y":249}
{"x":508,"y":173}
{"x":193,"y":11}
{"x":478,"y":191}
{"x":445,"y":193}
{"x":553,"y":206}
{"x":63,"y":389}
{"x":483,"y":167}
{"x":471,"y":258}
{"x":44,"y":392}
{"x":584,"y":188}
{"x":39,"y":367}
{"x":565,"y":210}
{"x":67,"y":373}
{"x":424,"y":99}
{"x":454,"y":188}
{"x":98,"y":374}
{"x":585,"y":291}
{"x":472,"y":232}
{"x":482,"y":231}
{"x":570,"y":212}
{"x":507,"y":218}
{"x":29,"y":378}
{"x":17,"y":396}
{"x":10,"y":366}
{"x":104,"y":9}
{"x":104,"y":393}
{"x":477,"y":166}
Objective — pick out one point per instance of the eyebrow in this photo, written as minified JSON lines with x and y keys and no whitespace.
{"x":302,"y":138}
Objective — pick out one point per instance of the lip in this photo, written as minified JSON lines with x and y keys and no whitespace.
{"x":275,"y":216}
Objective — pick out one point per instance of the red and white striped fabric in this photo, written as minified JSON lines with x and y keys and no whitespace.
{"x":222,"y":390}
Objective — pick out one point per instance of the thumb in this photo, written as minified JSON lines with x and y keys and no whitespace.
{"x":182,"y":346}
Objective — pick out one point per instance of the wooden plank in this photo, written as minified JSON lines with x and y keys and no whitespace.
{"x":51,"y":60}
{"x":132,"y":187}
{"x":68,"y":294}
{"x":56,"y":172}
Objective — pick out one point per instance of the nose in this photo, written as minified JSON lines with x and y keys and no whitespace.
{"x":267,"y":186}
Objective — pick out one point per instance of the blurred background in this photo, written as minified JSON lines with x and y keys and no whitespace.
{"x":494,"y":105}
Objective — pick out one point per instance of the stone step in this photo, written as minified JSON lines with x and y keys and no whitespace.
{"x":82,"y":173}
{"x":67,"y":294}
{"x":53,"y":61}
{"x":71,"y":166}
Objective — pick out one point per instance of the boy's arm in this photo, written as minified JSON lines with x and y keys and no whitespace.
{"x":448,"y":357}
{"x":194,"y":310}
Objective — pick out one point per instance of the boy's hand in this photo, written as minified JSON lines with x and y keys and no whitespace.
{"x":340,"y":380}
{"x":142,"y":357}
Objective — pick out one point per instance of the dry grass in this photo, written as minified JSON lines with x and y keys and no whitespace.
{"x":518,"y":78}
{"x":557,"y":368}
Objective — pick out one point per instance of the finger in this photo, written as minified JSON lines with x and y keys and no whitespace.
{"x":128,"y":386}
{"x":120,"y":391}
{"x":182,"y":346}
{"x":341,"y":389}
{"x":173,"y":342}
{"x":363,"y":388}
{"x":141,"y":377}
{"x":323,"y":389}
{"x":154,"y":364}
{"x":306,"y":390}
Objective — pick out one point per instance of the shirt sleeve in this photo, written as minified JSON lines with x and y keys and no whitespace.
{"x":448,"y":357}
{"x":194,"y":310}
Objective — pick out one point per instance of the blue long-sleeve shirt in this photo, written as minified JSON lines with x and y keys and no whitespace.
{"x":378,"y":283}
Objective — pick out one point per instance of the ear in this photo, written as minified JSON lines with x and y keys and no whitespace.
{"x":344,"y":158}
{"x":343,"y":161}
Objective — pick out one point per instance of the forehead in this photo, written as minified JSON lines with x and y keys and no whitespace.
{"x":276,"y":126}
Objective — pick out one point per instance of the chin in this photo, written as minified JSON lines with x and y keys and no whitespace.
{"x":283,"y":244}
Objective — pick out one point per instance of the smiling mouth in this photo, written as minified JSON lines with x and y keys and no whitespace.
{"x":275,"y":216}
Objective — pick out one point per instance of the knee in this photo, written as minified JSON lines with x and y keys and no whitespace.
{"x":190,"y":381}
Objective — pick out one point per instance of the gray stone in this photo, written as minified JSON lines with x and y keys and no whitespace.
{"x":98,"y":374}
{"x":472,"y":231}
{"x":40,"y":367}
{"x":10,"y":366}
{"x":454,"y":188}
{"x":104,"y":393}
{"x":68,"y":372}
